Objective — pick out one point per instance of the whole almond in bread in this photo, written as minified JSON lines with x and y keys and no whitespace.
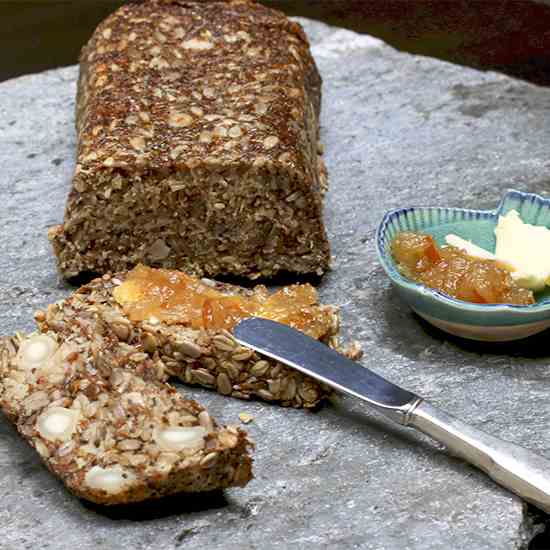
{"x":107,"y":427}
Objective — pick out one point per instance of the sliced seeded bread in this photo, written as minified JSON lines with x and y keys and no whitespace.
{"x":196,"y":356}
{"x":103,"y":423}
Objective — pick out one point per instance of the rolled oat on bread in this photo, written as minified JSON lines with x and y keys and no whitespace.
{"x":89,"y":391}
{"x":145,"y":310}
{"x":198,"y":127}
{"x":103,"y":423}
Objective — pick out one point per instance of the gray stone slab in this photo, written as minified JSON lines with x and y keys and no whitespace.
{"x":398,"y":130}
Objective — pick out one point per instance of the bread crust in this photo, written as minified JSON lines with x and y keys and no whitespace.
{"x":118,"y":408}
{"x":197,"y":357}
{"x":198,"y":127}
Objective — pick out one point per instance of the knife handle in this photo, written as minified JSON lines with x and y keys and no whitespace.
{"x":519,"y":470}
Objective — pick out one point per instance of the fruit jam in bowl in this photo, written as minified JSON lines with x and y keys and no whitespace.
{"x":471,"y":289}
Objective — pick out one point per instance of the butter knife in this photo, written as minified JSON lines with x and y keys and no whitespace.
{"x":519,"y":470}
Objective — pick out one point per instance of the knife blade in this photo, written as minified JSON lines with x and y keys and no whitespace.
{"x":518,"y":469}
{"x":316,"y":359}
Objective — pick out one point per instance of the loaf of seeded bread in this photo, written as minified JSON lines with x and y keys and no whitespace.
{"x":198,"y":127}
{"x":196,"y":356}
{"x":104,"y":424}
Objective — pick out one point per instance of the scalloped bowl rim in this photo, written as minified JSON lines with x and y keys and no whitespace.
{"x":394,"y":274}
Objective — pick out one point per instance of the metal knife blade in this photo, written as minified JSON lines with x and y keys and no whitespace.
{"x":516,"y":468}
{"x":317,"y":360}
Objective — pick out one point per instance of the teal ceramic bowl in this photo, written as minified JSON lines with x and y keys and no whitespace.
{"x":488,"y":322}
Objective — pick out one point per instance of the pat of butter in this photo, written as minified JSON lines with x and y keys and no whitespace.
{"x":470,"y":248}
{"x":526,"y":247}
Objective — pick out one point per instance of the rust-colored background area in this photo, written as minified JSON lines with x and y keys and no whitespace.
{"x":512,"y":36}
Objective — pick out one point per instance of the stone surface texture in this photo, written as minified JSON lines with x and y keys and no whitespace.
{"x":399,"y":130}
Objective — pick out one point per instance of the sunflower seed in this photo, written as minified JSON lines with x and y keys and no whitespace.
{"x":264,"y":394}
{"x":224,"y":384}
{"x":188,"y":348}
{"x":149,"y":343}
{"x":224,"y":343}
{"x":260,"y":368}
{"x":202,"y":376}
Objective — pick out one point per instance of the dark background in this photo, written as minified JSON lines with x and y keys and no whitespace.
{"x":511,"y":36}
